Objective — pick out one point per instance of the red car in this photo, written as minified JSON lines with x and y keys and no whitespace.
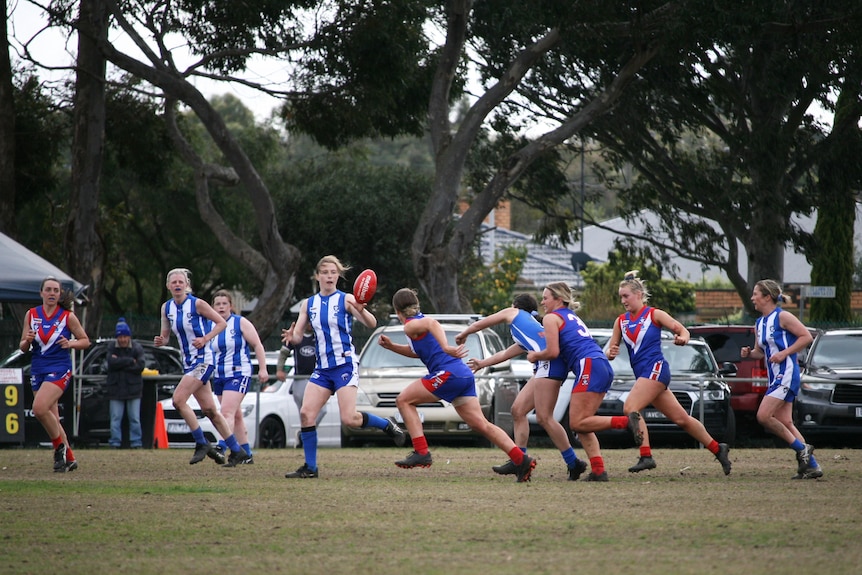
{"x":749,"y":384}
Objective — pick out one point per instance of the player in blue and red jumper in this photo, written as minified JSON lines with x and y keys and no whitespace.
{"x":48,"y":333}
{"x":448,"y":379}
{"x":529,"y":335}
{"x":640,"y":328}
{"x":567,"y":339}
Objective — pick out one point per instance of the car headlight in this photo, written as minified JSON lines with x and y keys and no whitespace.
{"x":714,"y":394}
{"x":247,"y":409}
{"x":817,"y":386}
{"x":612,"y":395}
{"x":362,"y":397}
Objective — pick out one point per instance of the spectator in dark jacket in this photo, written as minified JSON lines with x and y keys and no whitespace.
{"x":125,"y":385}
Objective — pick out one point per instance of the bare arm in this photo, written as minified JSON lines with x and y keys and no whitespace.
{"x":504,"y":315}
{"x":680,"y":333}
{"x":616,"y":339}
{"x":293,"y":334}
{"x":513,"y":350}
{"x":165,"y":329}
{"x":552,"y":323}
{"x":399,"y":348}
{"x":359,"y":311}
{"x":219,"y":324}
{"x":249,"y":333}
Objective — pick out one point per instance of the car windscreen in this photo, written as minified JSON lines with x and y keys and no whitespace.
{"x":682,"y":359}
{"x":375,"y":357}
{"x":726,"y":346}
{"x":837,"y":351}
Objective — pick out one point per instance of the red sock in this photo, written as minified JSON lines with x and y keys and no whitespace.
{"x":420,"y":445}
{"x":516,"y":455}
{"x":713,"y":447}
{"x":69,"y":455}
{"x":619,"y":422}
{"x":646,"y":451}
{"x":57,"y":441}
{"x":597,"y":464}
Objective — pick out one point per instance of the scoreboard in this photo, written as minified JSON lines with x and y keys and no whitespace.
{"x":11,"y":406}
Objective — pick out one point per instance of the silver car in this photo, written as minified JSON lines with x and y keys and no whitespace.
{"x":383,"y":374}
{"x":830,"y":397}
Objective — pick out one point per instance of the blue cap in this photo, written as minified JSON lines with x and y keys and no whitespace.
{"x":123,"y":328}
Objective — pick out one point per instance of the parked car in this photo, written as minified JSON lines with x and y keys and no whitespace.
{"x":383,"y":374}
{"x":749,"y":384}
{"x":830,"y":396}
{"x":696,"y":381}
{"x":270,"y":414}
{"x":561,"y":408}
{"x":95,"y":420}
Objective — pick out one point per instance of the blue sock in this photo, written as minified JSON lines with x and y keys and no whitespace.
{"x":569,"y":456}
{"x":198,"y":434}
{"x":222,"y":445}
{"x":524,"y":449}
{"x":233,"y":443}
{"x":797,"y":445}
{"x":376,"y":421}
{"x":812,"y":462}
{"x":309,"y":446}
{"x":247,"y":448}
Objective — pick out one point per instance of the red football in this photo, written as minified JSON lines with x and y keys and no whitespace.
{"x":365,"y":286}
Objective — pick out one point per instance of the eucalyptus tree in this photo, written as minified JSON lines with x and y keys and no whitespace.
{"x":726,"y":132}
{"x":597,"y":49}
{"x":377,"y":47}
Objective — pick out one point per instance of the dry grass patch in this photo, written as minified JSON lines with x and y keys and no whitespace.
{"x":150,"y":512}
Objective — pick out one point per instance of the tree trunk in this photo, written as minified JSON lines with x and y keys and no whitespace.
{"x":85,"y":253}
{"x":7,"y":136}
{"x":439,"y":243}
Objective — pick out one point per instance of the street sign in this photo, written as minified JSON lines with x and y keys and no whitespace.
{"x":818,"y":291}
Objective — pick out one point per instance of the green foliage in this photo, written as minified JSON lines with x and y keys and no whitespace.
{"x":41,"y":165}
{"x":602,"y":282}
{"x":364,"y":214}
{"x":367,"y":72}
{"x":491,"y":288}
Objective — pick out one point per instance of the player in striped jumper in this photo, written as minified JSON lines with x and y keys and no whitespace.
{"x":779,"y":336}
{"x":187,"y":317}
{"x":331,"y":313}
{"x":233,"y":371}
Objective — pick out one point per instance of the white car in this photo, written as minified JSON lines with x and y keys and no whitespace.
{"x":270,"y":415}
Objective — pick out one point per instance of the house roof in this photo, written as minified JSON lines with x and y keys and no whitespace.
{"x":546,"y":263}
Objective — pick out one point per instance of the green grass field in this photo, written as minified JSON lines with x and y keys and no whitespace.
{"x":147,"y":511}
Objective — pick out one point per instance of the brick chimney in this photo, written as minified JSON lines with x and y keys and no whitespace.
{"x":502,"y":214}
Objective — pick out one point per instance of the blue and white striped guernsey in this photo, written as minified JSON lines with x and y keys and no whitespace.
{"x":332,"y":325}
{"x":527,"y":331}
{"x":230,"y":350}
{"x":187,"y":324}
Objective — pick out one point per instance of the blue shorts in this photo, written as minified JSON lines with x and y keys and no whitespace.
{"x":659,"y":371}
{"x":551,"y":369}
{"x":237,"y":383}
{"x":449,"y":387}
{"x":334,"y":378}
{"x":594,"y":374}
{"x":59,"y":378}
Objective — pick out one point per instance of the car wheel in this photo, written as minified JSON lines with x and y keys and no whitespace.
{"x":730,"y":429}
{"x":271,"y":433}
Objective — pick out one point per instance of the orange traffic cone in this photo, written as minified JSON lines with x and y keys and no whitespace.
{"x":160,"y":433}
